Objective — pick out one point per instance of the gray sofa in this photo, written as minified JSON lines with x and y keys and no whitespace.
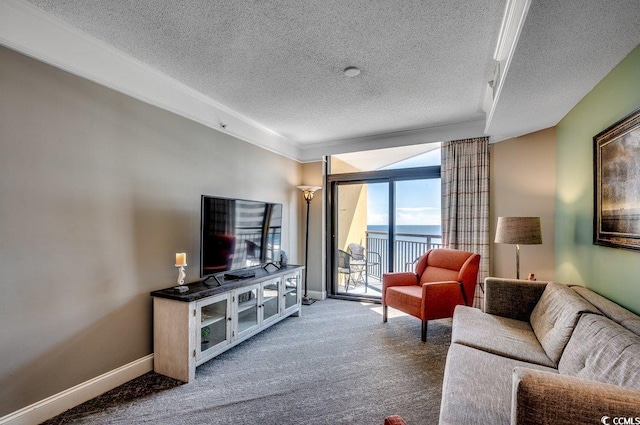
{"x":542,"y":353}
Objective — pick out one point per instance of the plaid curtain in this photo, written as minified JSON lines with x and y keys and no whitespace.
{"x":465,"y":201}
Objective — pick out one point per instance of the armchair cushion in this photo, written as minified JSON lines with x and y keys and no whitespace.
{"x":442,"y":265}
{"x":439,"y":265}
{"x":408,"y":296}
{"x":437,"y":274}
{"x":397,"y":279}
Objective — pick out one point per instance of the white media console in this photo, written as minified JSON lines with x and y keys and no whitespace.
{"x":193,"y":326}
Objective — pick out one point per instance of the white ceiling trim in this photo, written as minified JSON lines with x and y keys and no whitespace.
{"x":35,"y":33}
{"x":512,"y":22}
{"x":443,"y":133}
{"x":29,"y":30}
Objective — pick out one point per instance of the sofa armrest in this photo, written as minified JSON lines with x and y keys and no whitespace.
{"x":547,"y":398}
{"x":511,"y":298}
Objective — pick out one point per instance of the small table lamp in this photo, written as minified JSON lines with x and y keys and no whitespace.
{"x":518,"y":230}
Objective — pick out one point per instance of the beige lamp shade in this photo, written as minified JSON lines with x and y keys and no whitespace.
{"x":308,"y":191}
{"x":519,"y":230}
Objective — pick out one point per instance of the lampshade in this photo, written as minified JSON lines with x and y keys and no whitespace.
{"x":519,"y":230}
{"x":309,"y":191}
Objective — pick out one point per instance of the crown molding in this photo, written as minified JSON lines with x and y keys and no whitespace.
{"x":33,"y":32}
{"x":515,"y":14}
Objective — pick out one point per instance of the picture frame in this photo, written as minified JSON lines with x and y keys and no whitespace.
{"x":617,"y":184}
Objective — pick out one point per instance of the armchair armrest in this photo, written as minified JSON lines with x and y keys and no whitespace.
{"x":399,"y":279}
{"x":511,"y":298}
{"x":547,"y":398}
{"x":439,"y":299}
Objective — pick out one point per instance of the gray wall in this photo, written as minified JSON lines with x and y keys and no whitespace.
{"x":98,"y":191}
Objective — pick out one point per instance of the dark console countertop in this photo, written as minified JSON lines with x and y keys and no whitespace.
{"x":198,"y":290}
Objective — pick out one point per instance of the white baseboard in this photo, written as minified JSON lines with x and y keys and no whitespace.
{"x":316,"y":295}
{"x":52,"y":406}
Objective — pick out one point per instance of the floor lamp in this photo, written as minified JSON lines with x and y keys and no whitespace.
{"x":518,"y":231}
{"x":308,"y":192}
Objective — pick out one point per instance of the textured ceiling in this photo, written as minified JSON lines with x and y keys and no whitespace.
{"x":280,"y":62}
{"x":425,"y":64}
{"x":565,"y":49}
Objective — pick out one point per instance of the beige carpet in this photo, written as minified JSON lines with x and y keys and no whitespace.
{"x":337,"y":364}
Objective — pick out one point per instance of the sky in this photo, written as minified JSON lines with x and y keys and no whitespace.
{"x":417,"y":201}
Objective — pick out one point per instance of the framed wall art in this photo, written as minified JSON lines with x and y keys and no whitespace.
{"x":617,"y":184}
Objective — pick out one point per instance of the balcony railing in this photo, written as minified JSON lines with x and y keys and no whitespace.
{"x":408,"y":247}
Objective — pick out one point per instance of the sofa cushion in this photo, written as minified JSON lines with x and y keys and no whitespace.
{"x":555,"y":316}
{"x":498,"y":335}
{"x":477,"y":386}
{"x":610,"y":309}
{"x":601,"y":350}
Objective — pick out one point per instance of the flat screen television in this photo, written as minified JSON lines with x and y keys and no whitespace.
{"x":238,"y":234}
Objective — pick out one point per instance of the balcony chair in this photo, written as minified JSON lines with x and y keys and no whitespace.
{"x":443,"y":278}
{"x":361,"y":260}
{"x":345,"y":269}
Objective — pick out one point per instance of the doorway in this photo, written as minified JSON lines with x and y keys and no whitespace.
{"x":380,"y":221}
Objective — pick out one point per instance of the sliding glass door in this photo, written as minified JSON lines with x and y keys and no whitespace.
{"x":380,"y":222}
{"x":360,"y":208}
{"x":417,"y":226}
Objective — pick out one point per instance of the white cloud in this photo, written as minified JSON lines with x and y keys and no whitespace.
{"x":425,"y":216}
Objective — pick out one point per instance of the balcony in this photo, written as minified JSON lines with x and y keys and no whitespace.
{"x":408,"y":247}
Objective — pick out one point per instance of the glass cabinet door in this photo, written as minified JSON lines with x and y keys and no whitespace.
{"x":213,"y":317}
{"x":292,"y":284}
{"x":247,"y":310}
{"x":270,"y":299}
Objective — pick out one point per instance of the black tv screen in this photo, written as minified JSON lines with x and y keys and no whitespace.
{"x":238,"y":234}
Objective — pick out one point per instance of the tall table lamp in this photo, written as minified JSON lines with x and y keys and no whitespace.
{"x":518,"y":231}
{"x":308,"y":192}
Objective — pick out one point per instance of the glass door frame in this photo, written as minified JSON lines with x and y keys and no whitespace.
{"x":331,"y":199}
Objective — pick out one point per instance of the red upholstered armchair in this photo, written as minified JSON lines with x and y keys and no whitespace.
{"x":443,"y":278}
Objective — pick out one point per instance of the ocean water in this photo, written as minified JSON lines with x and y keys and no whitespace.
{"x":401,"y":230}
